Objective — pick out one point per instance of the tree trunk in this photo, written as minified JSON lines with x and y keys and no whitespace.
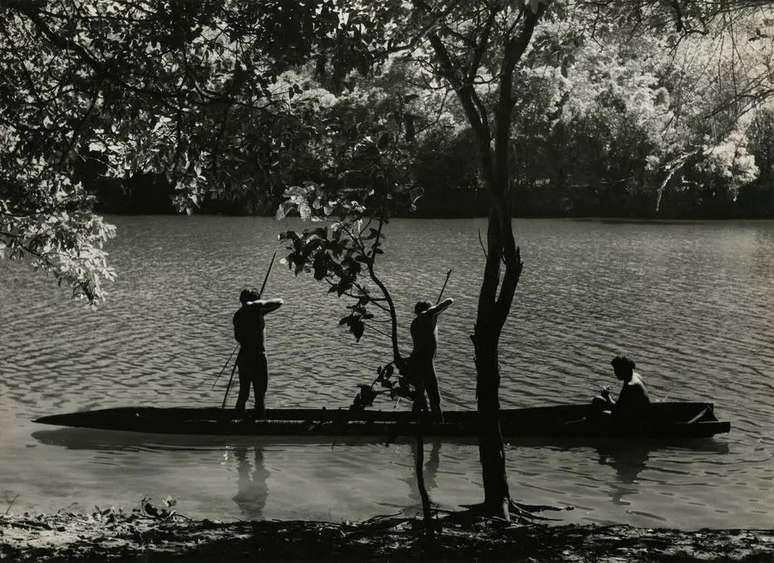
{"x":493,"y":308}
{"x":496,"y":295}
{"x":490,"y":441}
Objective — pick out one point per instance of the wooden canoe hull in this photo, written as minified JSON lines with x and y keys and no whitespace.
{"x":675,"y":420}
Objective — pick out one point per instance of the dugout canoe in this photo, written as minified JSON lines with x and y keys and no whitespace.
{"x":668,"y":420}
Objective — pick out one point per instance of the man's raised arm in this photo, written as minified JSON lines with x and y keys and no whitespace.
{"x":266,"y":305}
{"x":440,"y":308}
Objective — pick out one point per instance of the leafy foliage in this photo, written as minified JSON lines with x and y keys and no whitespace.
{"x":46,"y":217}
{"x":200,"y":93}
{"x":398,"y":387}
{"x":341,"y":253}
{"x":611,"y":95}
{"x":370,"y":179}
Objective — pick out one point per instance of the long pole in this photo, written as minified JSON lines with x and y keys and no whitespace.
{"x":266,"y":277}
{"x":233,"y":369}
{"x":224,"y":367}
{"x":230,"y":379}
{"x":448,"y":275}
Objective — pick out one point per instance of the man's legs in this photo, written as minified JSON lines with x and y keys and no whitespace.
{"x":426,"y":382}
{"x":431,"y":384}
{"x":417,"y":379}
{"x":260,"y":383}
{"x":246,"y":366}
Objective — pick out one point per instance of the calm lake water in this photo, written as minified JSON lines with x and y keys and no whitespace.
{"x":692,"y":303}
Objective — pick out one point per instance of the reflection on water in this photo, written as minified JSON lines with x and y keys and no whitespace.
{"x":629,"y":460}
{"x":628,"y":463}
{"x":431,"y":467}
{"x":691,"y":302}
{"x":305,"y":475}
{"x":430,"y":472}
{"x":252,"y":488}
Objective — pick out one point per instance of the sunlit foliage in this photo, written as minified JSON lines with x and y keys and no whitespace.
{"x":192,"y":91}
{"x":234,"y":101}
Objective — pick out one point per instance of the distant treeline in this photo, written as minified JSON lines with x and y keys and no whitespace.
{"x":575,"y":182}
{"x":756,"y":201}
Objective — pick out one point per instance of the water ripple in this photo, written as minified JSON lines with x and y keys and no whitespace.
{"x":690,"y":302}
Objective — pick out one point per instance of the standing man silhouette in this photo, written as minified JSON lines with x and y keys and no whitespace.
{"x":424,"y":334}
{"x":251,"y":360}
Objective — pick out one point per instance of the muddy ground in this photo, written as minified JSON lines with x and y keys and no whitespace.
{"x":152,"y":534}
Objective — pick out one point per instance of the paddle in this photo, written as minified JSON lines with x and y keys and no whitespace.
{"x":233,"y":369}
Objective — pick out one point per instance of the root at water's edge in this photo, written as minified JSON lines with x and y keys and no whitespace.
{"x":524,"y":513}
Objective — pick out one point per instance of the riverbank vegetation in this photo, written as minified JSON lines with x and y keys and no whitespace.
{"x":114,"y":535}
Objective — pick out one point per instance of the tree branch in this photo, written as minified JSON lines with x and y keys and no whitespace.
{"x":471,"y":105}
{"x":478,"y":53}
{"x":393,"y":314}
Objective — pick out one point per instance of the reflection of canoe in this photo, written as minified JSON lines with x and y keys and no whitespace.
{"x":667,"y":421}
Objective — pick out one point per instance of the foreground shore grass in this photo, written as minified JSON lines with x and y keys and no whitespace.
{"x":161,"y":535}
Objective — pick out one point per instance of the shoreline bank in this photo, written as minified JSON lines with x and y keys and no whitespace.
{"x":152,"y":534}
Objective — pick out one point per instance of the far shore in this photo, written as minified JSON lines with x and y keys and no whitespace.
{"x":623,"y":219}
{"x":151,"y":534}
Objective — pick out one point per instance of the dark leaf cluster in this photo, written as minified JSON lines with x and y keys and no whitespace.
{"x":398,"y":387}
{"x":340,"y":259}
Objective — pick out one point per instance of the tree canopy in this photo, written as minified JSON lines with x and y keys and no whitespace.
{"x":237,"y":100}
{"x":191,"y":91}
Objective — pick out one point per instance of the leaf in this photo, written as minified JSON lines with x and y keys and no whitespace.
{"x":343,"y":286}
{"x":357,"y":328}
{"x":320,"y":266}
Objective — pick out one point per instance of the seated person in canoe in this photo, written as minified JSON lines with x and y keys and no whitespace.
{"x":633,"y":402}
{"x":251,"y":360}
{"x":424,"y":334}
